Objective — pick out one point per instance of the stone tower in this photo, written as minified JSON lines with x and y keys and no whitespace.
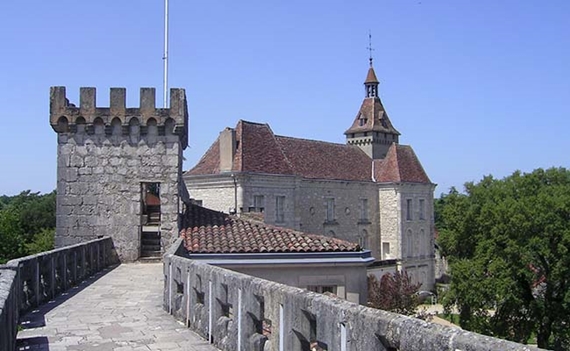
{"x":119,"y":170}
{"x":372,"y":130}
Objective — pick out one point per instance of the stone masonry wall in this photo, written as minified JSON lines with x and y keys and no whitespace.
{"x":235,"y":311}
{"x":104,"y":156}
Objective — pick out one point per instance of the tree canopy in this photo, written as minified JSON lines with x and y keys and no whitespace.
{"x":507,"y":242}
{"x":27,"y":224}
{"x":393,"y":292}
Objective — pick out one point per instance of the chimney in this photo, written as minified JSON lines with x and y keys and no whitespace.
{"x":227,"y":149}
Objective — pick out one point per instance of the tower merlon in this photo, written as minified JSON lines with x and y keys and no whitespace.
{"x":63,"y":113}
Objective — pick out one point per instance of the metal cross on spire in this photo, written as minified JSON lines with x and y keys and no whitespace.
{"x":370,"y":49}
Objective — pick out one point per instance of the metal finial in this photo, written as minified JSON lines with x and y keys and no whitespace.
{"x":370,"y":49}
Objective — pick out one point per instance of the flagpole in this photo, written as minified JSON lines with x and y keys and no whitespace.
{"x":165,"y":56}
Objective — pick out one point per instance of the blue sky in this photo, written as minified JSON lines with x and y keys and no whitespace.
{"x":476,"y":87}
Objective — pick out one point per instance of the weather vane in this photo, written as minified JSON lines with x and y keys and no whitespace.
{"x":370,"y":49}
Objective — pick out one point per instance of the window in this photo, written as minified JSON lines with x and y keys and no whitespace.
{"x":330,"y":210}
{"x":258,"y":204}
{"x":409,"y":209}
{"x":279,"y":209}
{"x":364,"y":210}
{"x":385,"y":250}
{"x":363,"y":239}
{"x":321,"y":289}
{"x":422,"y":209}
{"x":409,"y":244}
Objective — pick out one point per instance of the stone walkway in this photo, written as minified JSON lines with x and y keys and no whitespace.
{"x":117,"y":310}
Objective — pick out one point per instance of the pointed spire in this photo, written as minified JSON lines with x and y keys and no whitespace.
{"x":371,"y":82}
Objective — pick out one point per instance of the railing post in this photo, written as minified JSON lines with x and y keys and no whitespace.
{"x":188,"y":294}
{"x":343,"y":341}
{"x":83,"y":263}
{"x":281,"y":328}
{"x":210,"y":295}
{"x":239,"y":321}
{"x":52,"y":279}
{"x":64,"y":272}
{"x":74,"y":266}
{"x":37,"y":281}
{"x":170,"y":287}
{"x":98,"y":262}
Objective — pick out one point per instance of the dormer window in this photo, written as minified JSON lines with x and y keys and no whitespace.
{"x":362,"y":121}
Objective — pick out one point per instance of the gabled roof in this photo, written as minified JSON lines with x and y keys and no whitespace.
{"x":376,"y":119}
{"x":259,"y":150}
{"x":401,"y":165}
{"x":209,"y":231}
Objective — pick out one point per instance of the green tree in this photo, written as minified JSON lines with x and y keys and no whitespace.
{"x":507,"y":243}
{"x":27,"y":224}
{"x":11,"y":236}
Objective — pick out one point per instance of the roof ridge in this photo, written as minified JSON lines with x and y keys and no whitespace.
{"x":313,"y":140}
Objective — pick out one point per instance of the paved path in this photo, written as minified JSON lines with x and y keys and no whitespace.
{"x":118,"y":310}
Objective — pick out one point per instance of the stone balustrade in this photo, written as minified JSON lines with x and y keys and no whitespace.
{"x":240,"y":312}
{"x":30,"y":281}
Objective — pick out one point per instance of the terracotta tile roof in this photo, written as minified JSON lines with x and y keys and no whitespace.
{"x":210,"y":161}
{"x":321,"y":160}
{"x":400,"y":165}
{"x":209,"y":231}
{"x":372,"y":111}
{"x":260,"y":151}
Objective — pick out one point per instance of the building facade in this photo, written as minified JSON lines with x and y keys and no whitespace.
{"x":371,"y":190}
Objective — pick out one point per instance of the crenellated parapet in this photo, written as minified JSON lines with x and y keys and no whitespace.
{"x":66,"y":117}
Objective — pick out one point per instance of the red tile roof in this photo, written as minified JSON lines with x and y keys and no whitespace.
{"x":400,"y":165}
{"x":260,"y":151}
{"x":209,"y":231}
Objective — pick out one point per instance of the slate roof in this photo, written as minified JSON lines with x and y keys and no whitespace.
{"x":261,"y":151}
{"x":209,"y":231}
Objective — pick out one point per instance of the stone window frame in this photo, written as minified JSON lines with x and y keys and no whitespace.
{"x":258,"y":203}
{"x":364,"y":211}
{"x":330,"y":210}
{"x":280,"y":208}
{"x":409,"y":209}
{"x":422,"y":209}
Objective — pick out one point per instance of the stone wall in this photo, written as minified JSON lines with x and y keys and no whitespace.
{"x":235,"y":311}
{"x":418,"y":257}
{"x":28,"y":282}
{"x":347,"y":223}
{"x":104,"y":156}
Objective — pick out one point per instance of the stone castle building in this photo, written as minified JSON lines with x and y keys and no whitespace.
{"x":371,"y":190}
{"x":119,"y":170}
